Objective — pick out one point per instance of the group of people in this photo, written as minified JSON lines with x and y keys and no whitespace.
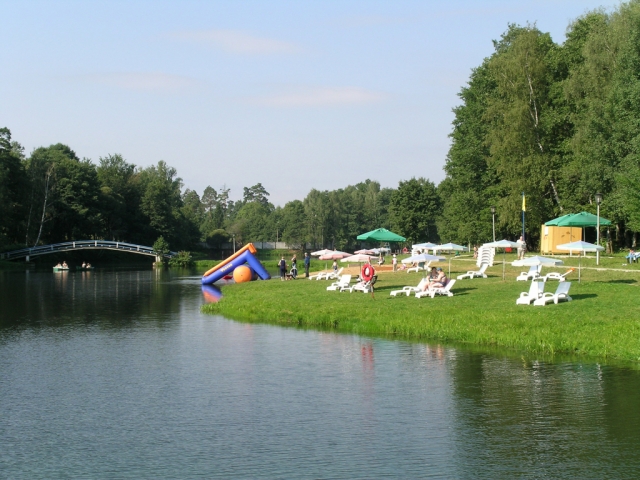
{"x":437,"y":279}
{"x":62,"y":265}
{"x":293,"y":273}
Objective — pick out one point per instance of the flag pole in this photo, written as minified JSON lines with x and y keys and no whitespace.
{"x":524,"y":209}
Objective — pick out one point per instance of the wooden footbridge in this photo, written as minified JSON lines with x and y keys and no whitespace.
{"x":27,"y":253}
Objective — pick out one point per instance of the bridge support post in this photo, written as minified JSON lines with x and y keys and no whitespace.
{"x":27,"y":258}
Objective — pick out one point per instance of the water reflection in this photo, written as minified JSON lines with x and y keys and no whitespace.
{"x":110,"y":298}
{"x":211,"y":293}
{"x":117,"y":371}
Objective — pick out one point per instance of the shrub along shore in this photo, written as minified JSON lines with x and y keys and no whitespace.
{"x":602,"y":321}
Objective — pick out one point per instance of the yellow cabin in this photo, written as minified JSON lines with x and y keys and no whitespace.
{"x":551,"y":236}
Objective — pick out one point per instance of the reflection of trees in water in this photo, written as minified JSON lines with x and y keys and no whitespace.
{"x":552,"y":419}
{"x":109,"y":298}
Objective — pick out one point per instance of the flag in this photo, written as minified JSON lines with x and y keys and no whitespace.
{"x":524,"y":204}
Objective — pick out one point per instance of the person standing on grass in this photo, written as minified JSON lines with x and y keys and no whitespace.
{"x":522,"y":247}
{"x":394,"y":262}
{"x":307,"y":264}
{"x":294,"y":266}
{"x":283,"y":268}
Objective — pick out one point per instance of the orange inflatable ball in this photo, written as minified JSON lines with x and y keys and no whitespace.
{"x":242,"y":274}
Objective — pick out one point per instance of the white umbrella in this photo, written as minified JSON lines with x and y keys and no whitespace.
{"x":358,"y":258}
{"x":423,"y":245}
{"x":448,"y":247}
{"x":364,"y":251}
{"x":504,"y":244}
{"x":580,"y":247}
{"x":423,"y":258}
{"x":537,"y":260}
{"x":330,"y":255}
{"x":334,"y":255}
{"x":320,"y":252}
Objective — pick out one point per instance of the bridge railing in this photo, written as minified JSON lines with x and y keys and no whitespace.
{"x":79,"y":245}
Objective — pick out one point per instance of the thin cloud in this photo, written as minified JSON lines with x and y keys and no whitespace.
{"x":238,"y":42}
{"x":321,"y":97}
{"x":143,"y":81}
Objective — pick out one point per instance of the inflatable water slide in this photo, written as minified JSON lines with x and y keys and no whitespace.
{"x":236,"y":264}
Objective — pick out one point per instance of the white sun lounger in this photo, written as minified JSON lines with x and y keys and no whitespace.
{"x":535,"y":292}
{"x":557,"y":276}
{"x":361,"y":286}
{"x":418,"y":268}
{"x":344,"y":281}
{"x":432,"y":292}
{"x":532,"y":274}
{"x":561,"y":294}
{"x":475,"y":274}
{"x":409,"y":290}
{"x":327,"y":275}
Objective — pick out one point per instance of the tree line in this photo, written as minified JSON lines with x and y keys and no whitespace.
{"x":53,"y":196}
{"x":557,"y":122}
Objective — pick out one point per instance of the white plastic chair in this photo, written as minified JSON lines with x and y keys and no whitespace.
{"x":344,"y":281}
{"x":361,"y":286}
{"x":557,"y":276}
{"x":535,"y":292}
{"x":475,"y":274}
{"x":327,"y":275}
{"x":532,"y":274}
{"x":432,"y":292}
{"x":409,"y":290}
{"x":561,"y":294}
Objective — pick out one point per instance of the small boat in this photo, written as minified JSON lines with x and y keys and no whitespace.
{"x":78,"y":267}
{"x":60,"y":269}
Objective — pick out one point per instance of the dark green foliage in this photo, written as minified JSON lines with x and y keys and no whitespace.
{"x":181,"y":260}
{"x":13,"y":183}
{"x":558,"y":122}
{"x":161,"y":246}
{"x":414,"y":207}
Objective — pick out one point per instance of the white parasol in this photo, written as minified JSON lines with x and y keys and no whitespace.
{"x":580,"y":247}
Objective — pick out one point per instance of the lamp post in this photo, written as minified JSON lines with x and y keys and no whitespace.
{"x":493,"y":216}
{"x":598,"y":202}
{"x":234,"y":242}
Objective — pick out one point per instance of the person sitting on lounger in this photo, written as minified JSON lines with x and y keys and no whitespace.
{"x":439,"y":282}
{"x":433,"y":274}
{"x":632,"y":257}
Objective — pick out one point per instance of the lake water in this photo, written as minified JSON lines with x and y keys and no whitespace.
{"x":117,"y":374}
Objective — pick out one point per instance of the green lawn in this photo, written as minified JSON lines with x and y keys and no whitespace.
{"x":603,"y":320}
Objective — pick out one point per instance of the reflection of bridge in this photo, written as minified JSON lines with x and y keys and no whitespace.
{"x":83,"y":245}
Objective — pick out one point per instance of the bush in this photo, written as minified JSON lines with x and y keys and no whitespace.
{"x":181,"y":260}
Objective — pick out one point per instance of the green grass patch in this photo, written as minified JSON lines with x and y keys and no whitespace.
{"x":602,"y":321}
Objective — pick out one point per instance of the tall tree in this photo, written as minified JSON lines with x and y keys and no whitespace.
{"x":12,"y":188}
{"x":414,"y":208}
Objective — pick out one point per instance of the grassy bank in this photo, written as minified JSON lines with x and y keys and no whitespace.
{"x":602,"y":320}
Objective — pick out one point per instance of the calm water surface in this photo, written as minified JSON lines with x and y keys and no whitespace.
{"x":117,"y":374}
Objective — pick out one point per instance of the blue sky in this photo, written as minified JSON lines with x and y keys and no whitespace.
{"x":295,"y":95}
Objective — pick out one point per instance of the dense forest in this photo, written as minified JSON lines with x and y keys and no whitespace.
{"x":559,"y":122}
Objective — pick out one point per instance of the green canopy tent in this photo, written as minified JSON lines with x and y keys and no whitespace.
{"x":381,"y":235}
{"x":582,"y":219}
{"x":554,"y":222}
